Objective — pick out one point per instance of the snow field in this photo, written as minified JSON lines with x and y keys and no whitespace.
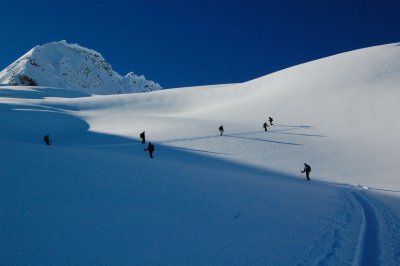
{"x":95,"y":197}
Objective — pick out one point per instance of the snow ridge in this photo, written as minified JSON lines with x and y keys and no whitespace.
{"x":71,"y":66}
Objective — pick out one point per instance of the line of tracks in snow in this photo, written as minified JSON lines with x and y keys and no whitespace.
{"x":378,"y":240}
{"x":368,"y":250}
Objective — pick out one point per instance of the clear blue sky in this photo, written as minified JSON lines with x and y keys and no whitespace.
{"x":186,"y":42}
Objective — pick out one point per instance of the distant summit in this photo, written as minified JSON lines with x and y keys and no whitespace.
{"x":71,"y":66}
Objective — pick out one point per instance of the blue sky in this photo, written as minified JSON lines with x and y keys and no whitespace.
{"x":185,"y":42}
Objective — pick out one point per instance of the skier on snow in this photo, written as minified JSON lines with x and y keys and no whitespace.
{"x":307,"y":170}
{"x":47,"y":139}
{"x":265,"y":126}
{"x":150,"y":148}
{"x":221,"y":130}
{"x":270,"y":120}
{"x":142,"y":136}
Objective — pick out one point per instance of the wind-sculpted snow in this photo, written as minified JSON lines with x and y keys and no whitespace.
{"x":94,"y":197}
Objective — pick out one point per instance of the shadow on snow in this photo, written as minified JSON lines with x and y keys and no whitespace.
{"x":29,"y":92}
{"x":24,"y":126}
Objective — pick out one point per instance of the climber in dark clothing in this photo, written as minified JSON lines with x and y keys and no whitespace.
{"x":221,"y":130}
{"x":143,"y":137}
{"x":150,"y":148}
{"x":307,"y":170}
{"x":265,"y":126}
{"x":47,"y":140}
{"x":270,"y":120}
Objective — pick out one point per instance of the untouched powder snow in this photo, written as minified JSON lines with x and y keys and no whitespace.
{"x":95,"y":197}
{"x":63,"y":65}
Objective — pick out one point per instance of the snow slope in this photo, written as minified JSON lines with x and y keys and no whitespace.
{"x":63,"y":65}
{"x":343,"y":107}
{"x":95,"y":197}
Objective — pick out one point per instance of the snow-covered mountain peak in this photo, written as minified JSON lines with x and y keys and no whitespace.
{"x":71,"y":66}
{"x":96,"y":184}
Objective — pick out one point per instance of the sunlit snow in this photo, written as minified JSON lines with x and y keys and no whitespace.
{"x":95,"y":197}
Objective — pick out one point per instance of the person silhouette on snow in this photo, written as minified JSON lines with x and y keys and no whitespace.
{"x":265,"y":126}
{"x":307,"y":170}
{"x":271,"y":120}
{"x":221,"y":130}
{"x":47,"y":140}
{"x":143,"y":137}
{"x":150,"y":148}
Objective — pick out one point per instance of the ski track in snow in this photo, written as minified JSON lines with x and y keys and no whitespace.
{"x":378,"y":238}
{"x":241,"y":135}
{"x":325,"y":249}
{"x":369,"y":242}
{"x":381,"y":237}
